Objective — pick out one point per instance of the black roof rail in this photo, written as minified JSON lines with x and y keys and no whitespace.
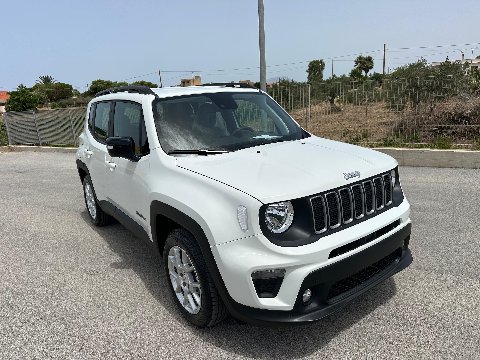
{"x":131,"y":89}
{"x":233,"y":85}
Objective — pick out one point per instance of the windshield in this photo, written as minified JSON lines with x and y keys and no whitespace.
{"x":221,"y":122}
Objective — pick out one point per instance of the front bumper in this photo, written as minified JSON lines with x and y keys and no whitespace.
{"x":372,"y":265}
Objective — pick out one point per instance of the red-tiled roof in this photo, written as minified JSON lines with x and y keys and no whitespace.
{"x":4,"y":95}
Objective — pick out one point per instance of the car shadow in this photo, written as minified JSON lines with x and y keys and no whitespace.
{"x":242,"y":339}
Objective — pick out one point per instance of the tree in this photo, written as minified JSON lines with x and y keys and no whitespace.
{"x":100,"y":85}
{"x":145,"y":83}
{"x":315,"y":71}
{"x":364,"y":63}
{"x":377,"y":77}
{"x":421,"y":82}
{"x":59,"y":91}
{"x":45,"y":80}
{"x":356,"y":74}
{"x":22,"y":99}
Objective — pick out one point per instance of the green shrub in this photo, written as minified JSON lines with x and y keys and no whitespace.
{"x":3,"y":134}
{"x":443,"y":142}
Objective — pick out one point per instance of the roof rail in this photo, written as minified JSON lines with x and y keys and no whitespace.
{"x":131,"y":89}
{"x":233,"y":85}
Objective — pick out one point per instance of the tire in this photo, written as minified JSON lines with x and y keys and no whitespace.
{"x":95,"y":213}
{"x":210,"y":310}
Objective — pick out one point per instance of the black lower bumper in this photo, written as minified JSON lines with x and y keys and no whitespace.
{"x":336,"y":285}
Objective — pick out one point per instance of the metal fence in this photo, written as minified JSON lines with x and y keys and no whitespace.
{"x":59,"y":127}
{"x":416,"y":112}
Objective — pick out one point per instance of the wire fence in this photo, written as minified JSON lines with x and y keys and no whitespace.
{"x":421,"y":112}
{"x":59,"y":127}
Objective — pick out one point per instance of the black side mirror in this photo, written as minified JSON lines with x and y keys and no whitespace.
{"x":121,"y":147}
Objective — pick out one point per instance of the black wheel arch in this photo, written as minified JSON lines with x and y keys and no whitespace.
{"x":82,"y":170}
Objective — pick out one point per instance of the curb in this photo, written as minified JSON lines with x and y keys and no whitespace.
{"x":467,"y":159}
{"x":20,"y":148}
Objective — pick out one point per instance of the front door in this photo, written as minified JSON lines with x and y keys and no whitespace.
{"x":127,"y":186}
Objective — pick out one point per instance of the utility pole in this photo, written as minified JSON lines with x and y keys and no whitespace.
{"x":261,"y":44}
{"x":384,"y":54}
{"x":332,"y":68}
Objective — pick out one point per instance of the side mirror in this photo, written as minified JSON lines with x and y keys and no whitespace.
{"x":121,"y":147}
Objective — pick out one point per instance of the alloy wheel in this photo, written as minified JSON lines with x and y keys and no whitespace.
{"x":184,"y":280}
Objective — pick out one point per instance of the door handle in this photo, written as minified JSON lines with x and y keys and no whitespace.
{"x":88,"y":153}
{"x":110,"y":165}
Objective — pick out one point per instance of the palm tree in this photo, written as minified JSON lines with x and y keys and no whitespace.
{"x":46,"y":80}
{"x":364,"y":63}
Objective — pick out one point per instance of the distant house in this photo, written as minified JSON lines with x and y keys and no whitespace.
{"x":473,"y":63}
{"x":196,"y":80}
{"x":3,"y":100}
{"x":248,"y":82}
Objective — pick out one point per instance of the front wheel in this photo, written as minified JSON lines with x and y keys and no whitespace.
{"x":191,"y":285}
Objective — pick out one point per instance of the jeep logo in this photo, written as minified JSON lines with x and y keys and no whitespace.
{"x":351,"y":175}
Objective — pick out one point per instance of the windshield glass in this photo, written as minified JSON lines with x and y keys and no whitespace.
{"x":224,"y":121}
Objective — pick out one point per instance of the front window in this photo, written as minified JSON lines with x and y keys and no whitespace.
{"x":224,"y":121}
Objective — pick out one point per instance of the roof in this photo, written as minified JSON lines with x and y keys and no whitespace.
{"x":137,"y":92}
{"x":4,"y":96}
{"x":194,"y":90}
{"x":170,"y":92}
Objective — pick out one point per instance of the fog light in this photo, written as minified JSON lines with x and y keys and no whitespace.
{"x":307,"y":295}
{"x":267,"y":282}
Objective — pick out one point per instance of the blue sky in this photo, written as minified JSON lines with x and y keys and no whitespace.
{"x":80,"y":41}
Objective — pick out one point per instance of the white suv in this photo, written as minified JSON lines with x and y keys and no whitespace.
{"x":254,"y":216}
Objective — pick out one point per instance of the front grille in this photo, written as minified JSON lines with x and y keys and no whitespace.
{"x":363,"y":276}
{"x":333,"y":208}
{"x":344,"y":205}
{"x":319,"y":213}
{"x":347,"y":205}
{"x":358,"y":201}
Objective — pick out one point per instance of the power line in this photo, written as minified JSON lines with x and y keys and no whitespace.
{"x":335,"y":58}
{"x":433,"y":46}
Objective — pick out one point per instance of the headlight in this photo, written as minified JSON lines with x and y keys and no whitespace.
{"x":279,"y":216}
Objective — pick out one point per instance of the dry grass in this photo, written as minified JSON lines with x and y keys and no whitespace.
{"x":452,"y":123}
{"x":351,"y":123}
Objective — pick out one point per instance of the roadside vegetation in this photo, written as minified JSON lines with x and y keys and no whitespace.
{"x":3,"y":133}
{"x":48,"y":93}
{"x":417,"y":105}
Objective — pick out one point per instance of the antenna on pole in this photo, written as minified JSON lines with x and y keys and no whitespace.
{"x":160,"y":76}
{"x":384,"y":57}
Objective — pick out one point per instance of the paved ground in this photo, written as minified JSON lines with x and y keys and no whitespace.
{"x":69,"y":290}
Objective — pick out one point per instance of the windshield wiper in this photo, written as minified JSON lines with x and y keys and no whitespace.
{"x":204,"y":152}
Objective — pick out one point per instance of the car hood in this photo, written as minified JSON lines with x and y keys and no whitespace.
{"x":289,"y":170}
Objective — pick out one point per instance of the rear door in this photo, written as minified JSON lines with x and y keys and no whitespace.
{"x":96,"y":148}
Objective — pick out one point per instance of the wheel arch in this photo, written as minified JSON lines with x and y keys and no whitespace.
{"x":164,"y":218}
{"x":82,"y":170}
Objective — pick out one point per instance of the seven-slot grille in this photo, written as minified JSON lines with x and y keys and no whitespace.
{"x":344,"y":205}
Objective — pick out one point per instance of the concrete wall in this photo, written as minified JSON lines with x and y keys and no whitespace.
{"x":435,"y":158}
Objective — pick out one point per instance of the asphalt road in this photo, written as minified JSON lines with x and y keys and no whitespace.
{"x":70,"y":290}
